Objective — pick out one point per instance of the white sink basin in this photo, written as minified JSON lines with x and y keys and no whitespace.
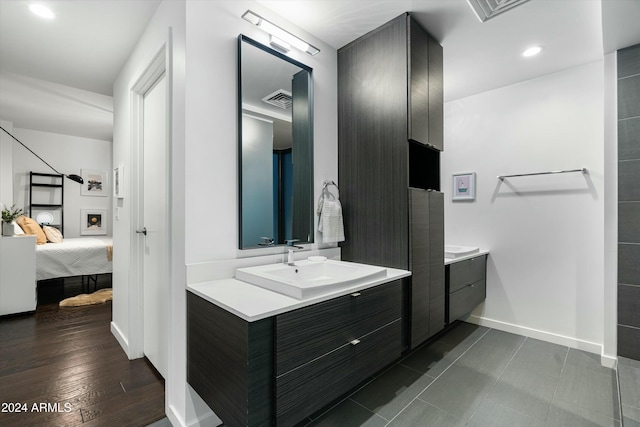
{"x":453,"y":252}
{"x":308,"y":279}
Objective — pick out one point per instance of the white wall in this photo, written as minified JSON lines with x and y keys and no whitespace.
{"x":68,"y":154}
{"x":211,"y":191}
{"x":6,"y":166}
{"x":166,"y":28}
{"x":546,"y":233}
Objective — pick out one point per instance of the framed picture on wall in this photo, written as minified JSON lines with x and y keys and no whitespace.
{"x":93,"y":222}
{"x":118,"y":181}
{"x":464,"y":186}
{"x":95,"y":183}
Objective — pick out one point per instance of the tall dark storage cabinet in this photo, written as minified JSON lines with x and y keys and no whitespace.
{"x":390,"y":133}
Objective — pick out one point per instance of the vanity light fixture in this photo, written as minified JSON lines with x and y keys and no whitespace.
{"x":279,"y":44}
{"x":41,"y":10}
{"x":532,"y":51}
{"x":279,"y":37}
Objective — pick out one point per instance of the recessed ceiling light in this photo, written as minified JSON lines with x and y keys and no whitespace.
{"x":532,"y":51}
{"x":42,"y":11}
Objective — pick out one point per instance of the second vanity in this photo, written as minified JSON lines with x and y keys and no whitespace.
{"x":260,"y":357}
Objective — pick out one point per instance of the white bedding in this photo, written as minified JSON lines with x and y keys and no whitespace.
{"x":73,"y":257}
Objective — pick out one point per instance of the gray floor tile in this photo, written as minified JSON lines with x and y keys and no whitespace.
{"x":433,"y":359}
{"x":423,"y":414}
{"x":525,"y":391}
{"x":392,"y":391}
{"x":492,"y":353}
{"x":463,"y":334}
{"x":586,"y":360}
{"x":630,"y":416}
{"x":568,"y":415}
{"x":540,"y":356}
{"x":589,"y":390}
{"x":496,"y":415}
{"x":629,"y":362}
{"x":458,"y":391}
{"x":629,"y":385}
{"x":161,"y":423}
{"x":348,"y":413}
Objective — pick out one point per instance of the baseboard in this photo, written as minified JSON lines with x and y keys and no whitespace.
{"x":609,"y":361}
{"x":551,"y":337}
{"x":122,"y":340}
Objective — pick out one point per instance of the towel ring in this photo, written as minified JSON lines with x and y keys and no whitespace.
{"x":327,"y":183}
{"x":326,"y":193}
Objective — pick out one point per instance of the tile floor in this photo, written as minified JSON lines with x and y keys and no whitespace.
{"x":479,"y":377}
{"x":629,"y":375}
{"x":475,"y":376}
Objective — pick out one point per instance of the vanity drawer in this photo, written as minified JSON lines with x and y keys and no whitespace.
{"x":466,"y":299}
{"x":309,"y":388}
{"x":466,"y":272}
{"x":305,"y":334}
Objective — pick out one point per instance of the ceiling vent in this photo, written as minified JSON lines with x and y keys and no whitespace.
{"x":280,"y":98}
{"x":487,"y":9}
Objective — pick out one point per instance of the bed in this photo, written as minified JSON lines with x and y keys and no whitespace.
{"x":81,"y":256}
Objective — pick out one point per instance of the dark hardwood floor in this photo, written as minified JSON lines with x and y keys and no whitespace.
{"x":63,"y":367}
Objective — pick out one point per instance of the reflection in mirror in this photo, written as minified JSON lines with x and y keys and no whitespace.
{"x":275,"y":131}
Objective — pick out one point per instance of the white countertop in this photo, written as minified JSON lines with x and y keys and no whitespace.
{"x":448,"y":261}
{"x":253,"y":303}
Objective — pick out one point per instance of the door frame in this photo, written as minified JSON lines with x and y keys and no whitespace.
{"x":159,"y":65}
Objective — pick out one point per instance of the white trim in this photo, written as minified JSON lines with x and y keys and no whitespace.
{"x":551,"y":337}
{"x":609,"y":361}
{"x":156,"y":68}
{"x":120,"y":337}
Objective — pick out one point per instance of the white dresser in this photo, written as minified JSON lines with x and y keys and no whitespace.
{"x":17,"y":274}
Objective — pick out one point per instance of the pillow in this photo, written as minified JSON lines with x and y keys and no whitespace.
{"x":17,"y":230}
{"x":53,"y":234}
{"x":30,"y":226}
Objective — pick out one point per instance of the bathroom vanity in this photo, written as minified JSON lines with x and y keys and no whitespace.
{"x":259,"y":357}
{"x":466,"y":284}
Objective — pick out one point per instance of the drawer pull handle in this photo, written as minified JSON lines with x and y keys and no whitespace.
{"x":355,"y":294}
{"x":355,"y":342}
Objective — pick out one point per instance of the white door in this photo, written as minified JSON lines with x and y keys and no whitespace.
{"x":155,"y":260}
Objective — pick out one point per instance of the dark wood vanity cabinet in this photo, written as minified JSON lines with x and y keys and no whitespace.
{"x":466,"y":286}
{"x":324,"y":350}
{"x":280,"y":370}
{"x":390,"y":131}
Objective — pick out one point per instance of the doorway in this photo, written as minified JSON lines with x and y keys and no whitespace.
{"x":150,"y":214}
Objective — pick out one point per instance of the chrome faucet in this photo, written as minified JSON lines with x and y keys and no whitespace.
{"x":290,"y":248}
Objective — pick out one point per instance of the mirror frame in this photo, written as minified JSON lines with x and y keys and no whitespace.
{"x":242,"y":38}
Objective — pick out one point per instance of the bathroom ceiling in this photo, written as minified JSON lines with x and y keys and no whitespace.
{"x":84,"y":47}
{"x":96,"y":36}
{"x":480,"y":56}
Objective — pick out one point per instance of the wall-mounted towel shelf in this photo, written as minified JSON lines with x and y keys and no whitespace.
{"x":583,"y":170}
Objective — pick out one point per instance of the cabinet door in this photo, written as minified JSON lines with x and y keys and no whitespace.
{"x":425,"y":64}
{"x":437,"y":301}
{"x":426,"y":237}
{"x":436,"y":95}
{"x":419,"y":264}
{"x":418,"y":118}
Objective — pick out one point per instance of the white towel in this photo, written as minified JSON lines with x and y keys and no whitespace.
{"x":330,"y":224}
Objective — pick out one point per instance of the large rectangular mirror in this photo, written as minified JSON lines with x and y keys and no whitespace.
{"x":275,"y":143}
